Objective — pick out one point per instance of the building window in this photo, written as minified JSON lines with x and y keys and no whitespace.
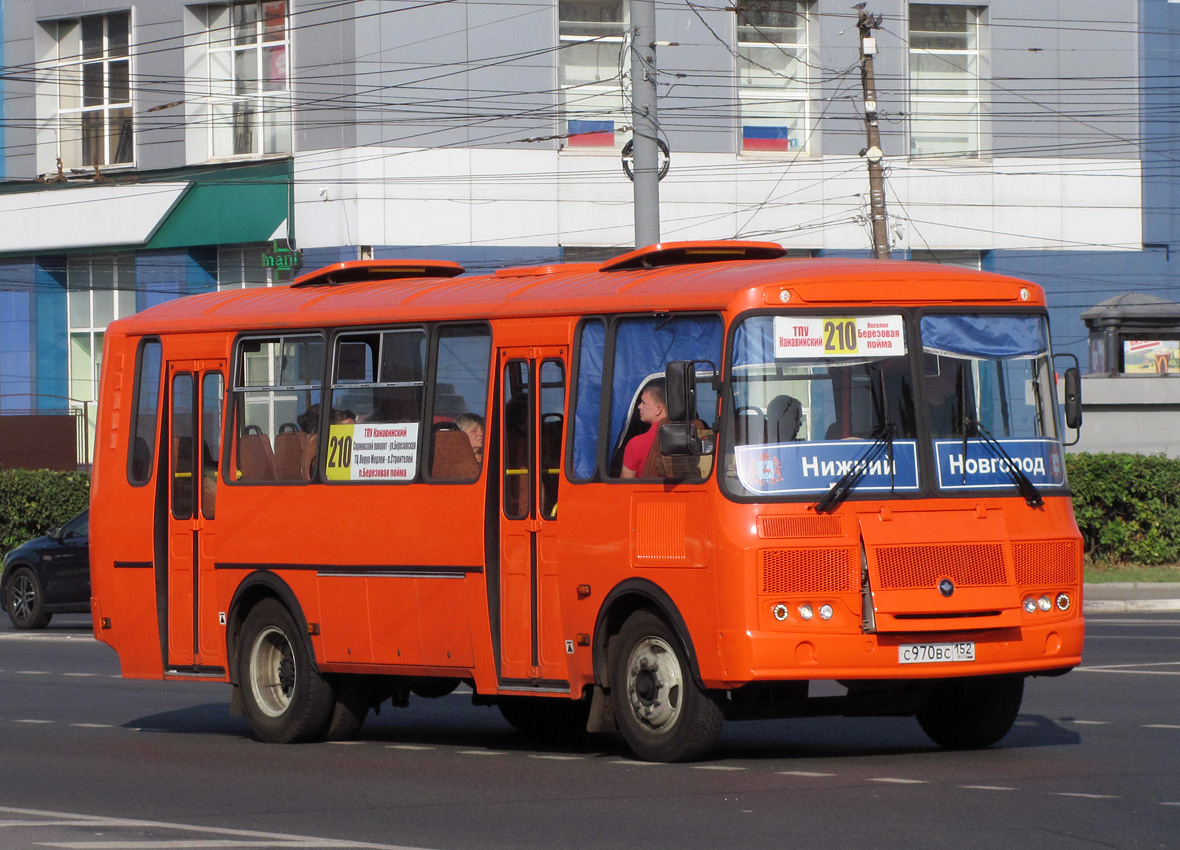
{"x":242,"y":267}
{"x":591,"y":63}
{"x":249,"y":88}
{"x":89,"y":89}
{"x":100,"y":288}
{"x":944,"y":81}
{"x":772,"y":68}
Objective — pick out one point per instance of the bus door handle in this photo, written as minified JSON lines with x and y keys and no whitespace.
{"x":532,"y":525}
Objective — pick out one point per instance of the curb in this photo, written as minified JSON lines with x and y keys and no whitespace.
{"x":1125,"y":606}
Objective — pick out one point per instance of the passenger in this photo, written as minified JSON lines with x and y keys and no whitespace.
{"x":472,"y":425}
{"x":653,"y":411}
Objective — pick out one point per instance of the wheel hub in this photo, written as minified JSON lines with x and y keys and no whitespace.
{"x":654,"y":680}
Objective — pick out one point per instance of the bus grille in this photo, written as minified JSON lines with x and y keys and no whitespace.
{"x":1053,"y":562}
{"x":810,"y":570}
{"x":967,"y":565}
{"x":828,"y":525}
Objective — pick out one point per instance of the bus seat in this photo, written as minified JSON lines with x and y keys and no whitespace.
{"x":293,"y":454}
{"x":784,"y":415}
{"x":660,"y":465}
{"x":256,"y":459}
{"x":453,"y":458}
{"x":749,"y":427}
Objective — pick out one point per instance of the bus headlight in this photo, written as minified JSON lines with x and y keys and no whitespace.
{"x":825,"y":612}
{"x":780,"y":611}
{"x":1030,"y":605}
{"x":805,"y":612}
{"x":1063,"y":601}
{"x":1045,"y":603}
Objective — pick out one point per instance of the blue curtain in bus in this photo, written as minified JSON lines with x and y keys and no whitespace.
{"x":985,"y":336}
{"x":589,"y":399}
{"x":644,"y":347}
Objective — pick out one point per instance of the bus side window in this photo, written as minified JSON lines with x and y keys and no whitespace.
{"x":460,"y":401}
{"x":141,"y":451}
{"x":278,"y":380}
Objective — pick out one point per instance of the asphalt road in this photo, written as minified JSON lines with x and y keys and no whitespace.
{"x":90,"y":761}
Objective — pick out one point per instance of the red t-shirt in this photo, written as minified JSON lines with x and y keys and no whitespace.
{"x":637,"y":449}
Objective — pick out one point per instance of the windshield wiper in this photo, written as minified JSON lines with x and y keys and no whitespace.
{"x":1032,"y":496}
{"x":848,"y":481}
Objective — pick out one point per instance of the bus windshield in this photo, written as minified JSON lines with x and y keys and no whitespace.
{"x":812,"y":395}
{"x":815,"y":398}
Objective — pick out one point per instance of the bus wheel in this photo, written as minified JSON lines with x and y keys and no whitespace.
{"x":24,"y":601}
{"x":285,"y":697}
{"x":663,"y":714}
{"x":969,"y":714}
{"x":546,"y":717}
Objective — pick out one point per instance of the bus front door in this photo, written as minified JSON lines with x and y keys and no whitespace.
{"x":196,"y":393}
{"x":532,"y":651}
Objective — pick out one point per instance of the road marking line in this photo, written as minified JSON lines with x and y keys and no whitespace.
{"x":93,"y":725}
{"x":808,"y":773}
{"x":32,"y":672}
{"x":558,"y":758}
{"x":481,"y":753}
{"x":80,"y":675}
{"x":637,"y":763}
{"x":898,"y":781}
{"x":407,"y":747}
{"x":717,"y":767}
{"x":1085,"y":796}
{"x":1124,"y":666}
{"x":284,"y":840}
{"x":1160,"y":726}
{"x":347,"y":743}
{"x":987,"y":787}
{"x":1089,"y":722}
{"x":1170,"y":804}
{"x":32,"y":720}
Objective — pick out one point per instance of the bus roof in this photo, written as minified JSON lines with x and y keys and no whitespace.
{"x":659,"y":278}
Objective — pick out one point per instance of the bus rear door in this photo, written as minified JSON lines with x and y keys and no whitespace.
{"x":196,"y":393}
{"x":532,"y":409}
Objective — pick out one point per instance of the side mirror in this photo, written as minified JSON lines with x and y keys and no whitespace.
{"x":678,"y":439}
{"x":680,"y":384}
{"x":54,"y":533}
{"x":1073,"y":398}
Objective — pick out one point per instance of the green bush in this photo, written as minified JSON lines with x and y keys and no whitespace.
{"x":1127,"y":506}
{"x":34,"y":500}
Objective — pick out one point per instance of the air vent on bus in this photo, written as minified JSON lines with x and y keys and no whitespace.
{"x":687,"y":253}
{"x":363,"y":271}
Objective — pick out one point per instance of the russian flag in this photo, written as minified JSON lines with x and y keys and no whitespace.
{"x":590,"y":133}
{"x":766,"y":138}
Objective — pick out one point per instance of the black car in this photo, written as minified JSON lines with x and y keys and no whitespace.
{"x":49,"y":575}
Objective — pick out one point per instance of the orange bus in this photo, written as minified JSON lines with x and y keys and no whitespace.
{"x":648,"y":495}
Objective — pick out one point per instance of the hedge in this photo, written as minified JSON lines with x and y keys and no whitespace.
{"x":34,"y":500}
{"x":1127,"y":506}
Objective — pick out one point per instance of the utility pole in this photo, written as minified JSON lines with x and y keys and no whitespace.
{"x":646,"y":180}
{"x":873,"y":153}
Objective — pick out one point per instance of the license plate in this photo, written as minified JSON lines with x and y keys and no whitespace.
{"x":935,"y":653}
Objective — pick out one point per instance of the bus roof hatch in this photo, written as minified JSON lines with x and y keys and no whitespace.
{"x":688,"y":253}
{"x":364,"y":271}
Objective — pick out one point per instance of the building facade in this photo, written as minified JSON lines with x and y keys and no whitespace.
{"x":155,"y":148}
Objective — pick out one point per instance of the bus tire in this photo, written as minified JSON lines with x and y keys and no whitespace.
{"x":284,"y":696}
{"x":970,"y":714}
{"x":663,"y":713}
{"x":546,"y":717}
{"x":26,"y":608}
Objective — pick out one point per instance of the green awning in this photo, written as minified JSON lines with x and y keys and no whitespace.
{"x":230,"y":207}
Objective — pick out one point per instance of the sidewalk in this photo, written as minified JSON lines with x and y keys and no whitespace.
{"x":1123,"y":597}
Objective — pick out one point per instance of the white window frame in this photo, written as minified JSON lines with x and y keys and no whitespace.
{"x":963,"y":64}
{"x":249,"y":102}
{"x":602,"y":100}
{"x":71,"y":113}
{"x":89,"y":309}
{"x":756,"y":102}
